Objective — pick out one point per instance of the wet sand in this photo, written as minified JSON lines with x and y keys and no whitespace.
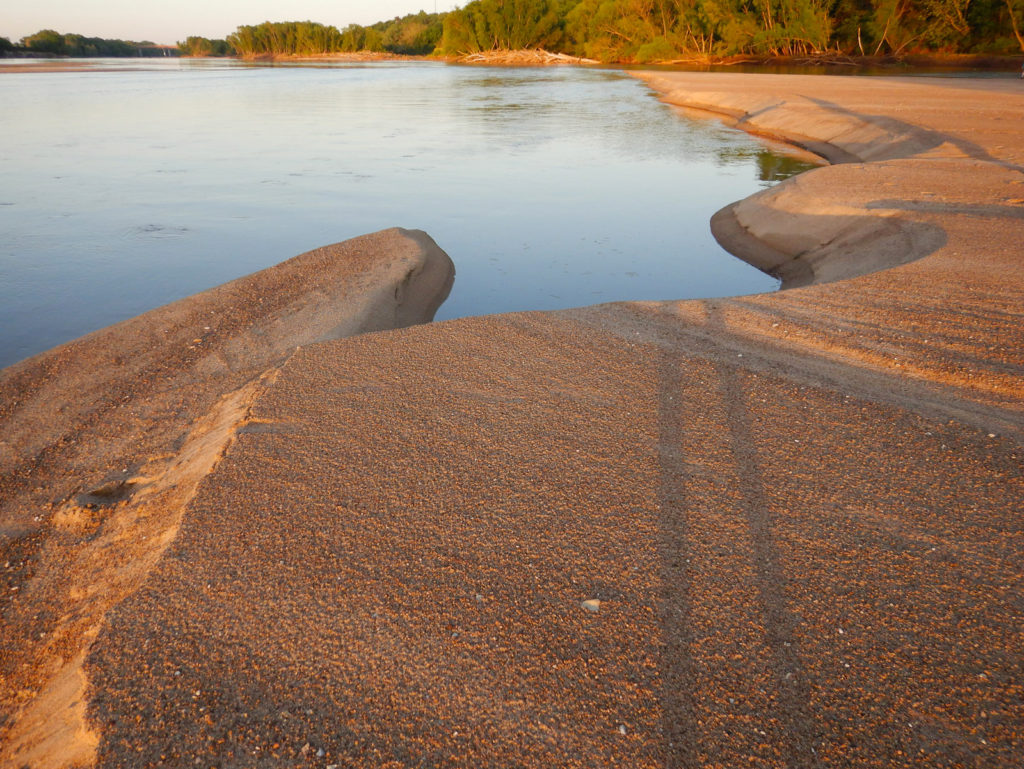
{"x":771,"y":530}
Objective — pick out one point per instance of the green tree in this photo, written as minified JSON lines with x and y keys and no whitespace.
{"x":1015,"y":17}
{"x":947,"y":21}
{"x":303,"y":38}
{"x":459,"y":33}
{"x":416,"y":34}
{"x":45,"y":41}
{"x":202,"y":46}
{"x":352,"y":38}
{"x":503,"y":25}
{"x":889,"y":27}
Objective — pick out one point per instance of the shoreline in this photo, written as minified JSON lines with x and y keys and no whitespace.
{"x":795,"y":513}
{"x":532,"y":57}
{"x":765,"y":229}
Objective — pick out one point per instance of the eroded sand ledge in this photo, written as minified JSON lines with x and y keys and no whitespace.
{"x":800,"y":511}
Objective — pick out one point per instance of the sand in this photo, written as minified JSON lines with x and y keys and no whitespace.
{"x":770,"y":530}
{"x":103,"y":442}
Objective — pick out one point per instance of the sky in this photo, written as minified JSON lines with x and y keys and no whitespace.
{"x":168,"y":22}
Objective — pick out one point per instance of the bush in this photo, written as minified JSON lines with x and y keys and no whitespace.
{"x":659,"y":49}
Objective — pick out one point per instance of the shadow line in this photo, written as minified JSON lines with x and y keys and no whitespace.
{"x":679,"y":721}
{"x":913,"y":135}
{"x":800,"y":732}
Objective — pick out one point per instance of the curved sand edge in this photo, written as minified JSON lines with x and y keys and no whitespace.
{"x":825,"y":225}
{"x":112,"y":433}
{"x":231,"y":332}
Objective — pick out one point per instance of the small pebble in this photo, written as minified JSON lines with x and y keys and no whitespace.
{"x":622,"y":728}
{"x":593,"y":604}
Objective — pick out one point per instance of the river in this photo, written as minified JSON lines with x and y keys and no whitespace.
{"x":131,"y":183}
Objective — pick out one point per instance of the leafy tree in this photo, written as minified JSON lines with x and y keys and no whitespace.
{"x":1015,"y":16}
{"x":890,"y":26}
{"x":416,"y":34}
{"x":503,"y":25}
{"x":303,"y":38}
{"x":947,"y":21}
{"x":459,"y":35}
{"x":374,"y":40}
{"x":352,"y":38}
{"x":45,"y":41}
{"x":202,"y":46}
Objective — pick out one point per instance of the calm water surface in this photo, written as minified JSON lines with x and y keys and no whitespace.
{"x":127,"y":188}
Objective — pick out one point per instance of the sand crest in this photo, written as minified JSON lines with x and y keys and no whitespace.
{"x":106,"y":439}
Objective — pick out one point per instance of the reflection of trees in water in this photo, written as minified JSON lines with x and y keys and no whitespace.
{"x":771,"y":167}
{"x":775,"y":168}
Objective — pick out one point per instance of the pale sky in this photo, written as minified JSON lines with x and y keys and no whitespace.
{"x":167,"y":22}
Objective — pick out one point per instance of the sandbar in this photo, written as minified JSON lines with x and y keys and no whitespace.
{"x":760,"y":531}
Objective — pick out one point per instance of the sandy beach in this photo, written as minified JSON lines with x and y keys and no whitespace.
{"x":769,"y":530}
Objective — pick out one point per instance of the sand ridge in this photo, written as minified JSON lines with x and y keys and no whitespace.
{"x":107,"y":438}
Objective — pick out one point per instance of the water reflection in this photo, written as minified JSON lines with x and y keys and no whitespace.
{"x":772,"y":166}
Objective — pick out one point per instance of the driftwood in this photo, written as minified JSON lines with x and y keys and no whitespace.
{"x":522,"y":58}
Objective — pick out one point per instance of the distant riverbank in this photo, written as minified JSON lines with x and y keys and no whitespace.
{"x":825,"y":62}
{"x":830,"y":63}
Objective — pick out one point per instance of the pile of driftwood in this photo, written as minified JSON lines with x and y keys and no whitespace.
{"x":522,"y":58}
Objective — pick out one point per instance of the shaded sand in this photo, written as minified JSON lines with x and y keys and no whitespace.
{"x":103,"y":442}
{"x":778,"y":530}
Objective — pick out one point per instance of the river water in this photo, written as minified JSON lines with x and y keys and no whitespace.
{"x":129,"y":184}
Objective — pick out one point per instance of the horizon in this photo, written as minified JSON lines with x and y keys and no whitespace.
{"x":148,"y":20}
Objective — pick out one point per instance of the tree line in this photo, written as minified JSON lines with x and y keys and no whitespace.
{"x":643,"y":31}
{"x":663,"y":30}
{"x":50,"y":42}
{"x":628,"y":31}
{"x":416,"y":34}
